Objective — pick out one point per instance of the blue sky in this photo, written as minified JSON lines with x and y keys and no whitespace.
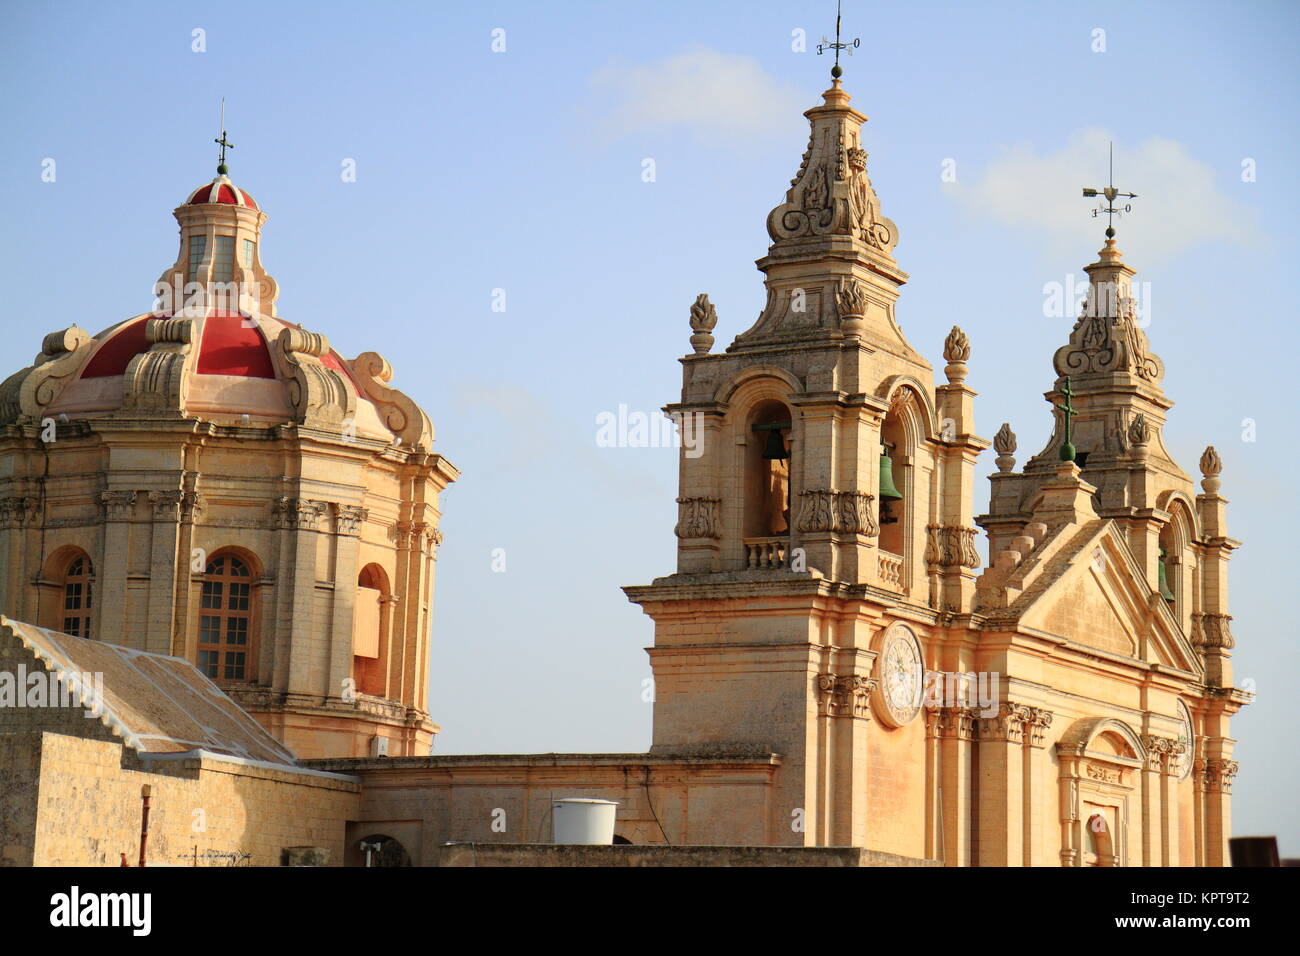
{"x":522,"y":171}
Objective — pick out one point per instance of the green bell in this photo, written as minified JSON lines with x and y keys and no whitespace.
{"x":887,"y":490}
{"x":1165,"y":591}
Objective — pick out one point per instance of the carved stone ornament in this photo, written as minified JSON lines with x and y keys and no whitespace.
{"x":299,"y":514}
{"x":1107,"y":338}
{"x":848,"y":696}
{"x":831,"y":194}
{"x":851,"y":305}
{"x":956,"y":350}
{"x":951,"y":546}
{"x":1004,"y":443}
{"x":349,"y":519}
{"x":698,"y":518}
{"x":1211,"y":466}
{"x":399,"y":413}
{"x":19,"y":512}
{"x":320,"y":396}
{"x":1212,"y":632}
{"x":117,"y":505}
{"x":844,"y":512}
{"x":703,"y":319}
{"x":1139,"y":431}
{"x":24,"y":395}
{"x":156,"y":381}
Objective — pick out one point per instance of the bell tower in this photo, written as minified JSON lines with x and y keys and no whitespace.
{"x":825,"y":497}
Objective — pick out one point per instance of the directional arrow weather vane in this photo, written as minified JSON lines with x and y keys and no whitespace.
{"x":1111,"y":194}
{"x":848,"y":46}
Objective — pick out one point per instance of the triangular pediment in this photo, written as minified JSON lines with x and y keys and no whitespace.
{"x":1097,"y":597}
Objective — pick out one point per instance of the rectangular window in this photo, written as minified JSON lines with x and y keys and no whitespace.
{"x":198,"y":246}
{"x":208,"y":663}
{"x":234,"y":666}
{"x":212,"y":594}
{"x":209,"y":629}
{"x":72,"y":625}
{"x":248,"y":253}
{"x":223,"y":265}
{"x":238,"y":596}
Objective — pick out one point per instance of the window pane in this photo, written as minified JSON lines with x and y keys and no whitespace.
{"x":208,"y":663}
{"x":248,"y":253}
{"x":198,"y":245}
{"x":223,"y":263}
{"x":212,"y":593}
{"x":236,"y":630}
{"x":238,"y":596}
{"x":234,"y":665}
{"x":209,"y":629}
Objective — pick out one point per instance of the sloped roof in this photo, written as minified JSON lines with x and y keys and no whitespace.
{"x":157,"y":704}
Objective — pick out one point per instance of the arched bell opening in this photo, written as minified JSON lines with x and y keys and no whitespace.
{"x":768,"y":458}
{"x":893,"y":504}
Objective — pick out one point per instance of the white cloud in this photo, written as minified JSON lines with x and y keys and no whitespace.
{"x":1179,"y":204}
{"x":716,"y":95}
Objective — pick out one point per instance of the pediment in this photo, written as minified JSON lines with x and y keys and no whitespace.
{"x":1099,"y":598}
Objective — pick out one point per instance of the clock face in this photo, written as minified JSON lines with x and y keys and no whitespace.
{"x":901,"y":673}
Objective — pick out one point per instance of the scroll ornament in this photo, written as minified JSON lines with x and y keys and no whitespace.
{"x":397,"y":411}
{"x":156,"y":381}
{"x":1107,"y":338}
{"x":320,"y":396}
{"x":24,"y":395}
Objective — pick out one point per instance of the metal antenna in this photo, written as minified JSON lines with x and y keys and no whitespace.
{"x":848,"y":46}
{"x":1111,"y":194}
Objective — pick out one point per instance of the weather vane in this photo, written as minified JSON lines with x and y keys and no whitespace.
{"x":1111,"y":194}
{"x":222,"y":169}
{"x":848,"y":46}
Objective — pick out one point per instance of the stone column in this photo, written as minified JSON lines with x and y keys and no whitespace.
{"x":1001,"y":782}
{"x":348,"y":520}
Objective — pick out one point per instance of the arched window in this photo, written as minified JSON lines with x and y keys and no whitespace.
{"x":892,"y":503}
{"x":767,"y":465}
{"x":370,"y":630}
{"x":226,"y":620}
{"x":78,"y":596}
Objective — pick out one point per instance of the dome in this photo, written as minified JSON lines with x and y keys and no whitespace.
{"x":221,"y":190}
{"x":233,"y":373}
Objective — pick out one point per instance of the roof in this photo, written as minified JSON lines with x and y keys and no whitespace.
{"x":221,"y":190}
{"x":155,"y":703}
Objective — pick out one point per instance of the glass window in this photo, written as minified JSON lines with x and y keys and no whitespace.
{"x":248,"y":253}
{"x":226,"y":630}
{"x":78,"y":592}
{"x":198,"y":246}
{"x":223,"y":264}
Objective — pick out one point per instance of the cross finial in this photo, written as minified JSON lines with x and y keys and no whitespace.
{"x":1067,"y":410}
{"x":849,"y":45}
{"x":1111,"y":194}
{"x":225,"y":144}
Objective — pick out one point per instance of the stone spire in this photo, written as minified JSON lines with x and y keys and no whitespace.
{"x":830,"y":270}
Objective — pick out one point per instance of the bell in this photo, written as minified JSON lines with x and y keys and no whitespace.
{"x":887,"y":490}
{"x":1165,"y":591}
{"x":774,"y":449}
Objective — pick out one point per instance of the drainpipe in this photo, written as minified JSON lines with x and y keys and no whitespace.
{"x":144,"y":820}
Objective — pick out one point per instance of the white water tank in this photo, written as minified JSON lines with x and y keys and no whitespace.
{"x":584,"y":821}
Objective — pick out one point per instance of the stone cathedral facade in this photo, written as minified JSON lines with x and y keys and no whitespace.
{"x":253,"y":520}
{"x":830,"y":604}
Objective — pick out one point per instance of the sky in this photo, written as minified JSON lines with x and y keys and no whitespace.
{"x":541,"y":190}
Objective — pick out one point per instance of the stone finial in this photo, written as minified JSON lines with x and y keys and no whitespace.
{"x":1211,"y":465}
{"x":956,"y":350}
{"x":1139,"y":431}
{"x":703,"y":318}
{"x":1004,"y":443}
{"x":851,"y":304}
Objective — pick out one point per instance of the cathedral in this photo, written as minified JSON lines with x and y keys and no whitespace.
{"x":235,"y":529}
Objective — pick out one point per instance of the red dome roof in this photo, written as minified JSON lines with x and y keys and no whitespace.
{"x":221,"y":190}
{"x":229,"y":346}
